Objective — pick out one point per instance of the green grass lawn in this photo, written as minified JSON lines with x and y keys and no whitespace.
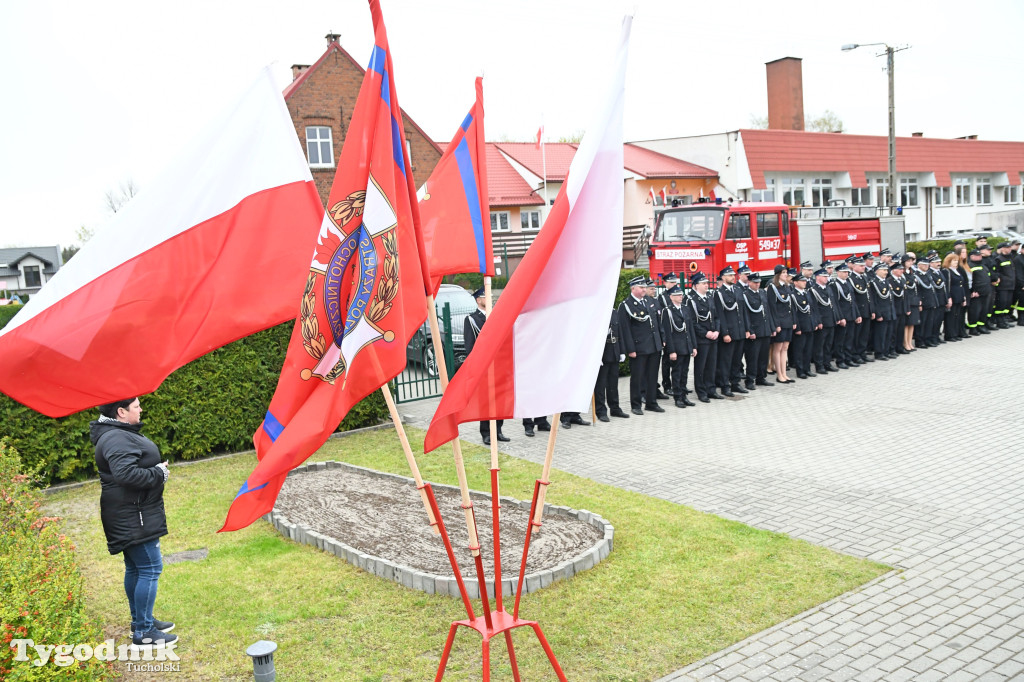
{"x":678,"y":585}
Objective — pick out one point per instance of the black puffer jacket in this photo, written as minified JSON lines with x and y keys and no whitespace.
{"x":132,"y":495}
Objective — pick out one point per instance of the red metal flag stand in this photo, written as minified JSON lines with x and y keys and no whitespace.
{"x":499,"y":621}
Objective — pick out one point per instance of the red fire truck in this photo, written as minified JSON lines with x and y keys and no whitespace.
{"x":707,"y":236}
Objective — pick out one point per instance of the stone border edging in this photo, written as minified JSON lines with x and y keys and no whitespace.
{"x":431,"y":583}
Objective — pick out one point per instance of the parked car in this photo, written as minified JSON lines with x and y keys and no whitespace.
{"x":460,"y":304}
{"x":1001,"y":234}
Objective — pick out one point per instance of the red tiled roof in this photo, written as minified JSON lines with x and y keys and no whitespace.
{"x":505,"y":186}
{"x":557,"y":157}
{"x":653,"y":164}
{"x":802,"y":151}
{"x":295,"y":84}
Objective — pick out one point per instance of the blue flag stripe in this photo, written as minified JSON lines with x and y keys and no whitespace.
{"x":272,"y":427}
{"x":468,"y":122}
{"x":377,"y":60}
{"x":245,"y":489}
{"x":472,"y":195}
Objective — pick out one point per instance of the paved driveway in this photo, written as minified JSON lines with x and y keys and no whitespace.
{"x":917,"y":463}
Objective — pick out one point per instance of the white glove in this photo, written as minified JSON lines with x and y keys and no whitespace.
{"x":622,"y":357}
{"x":162,"y":466}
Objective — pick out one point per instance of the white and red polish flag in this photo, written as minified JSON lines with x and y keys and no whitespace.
{"x":541,"y":348}
{"x":213,"y":250}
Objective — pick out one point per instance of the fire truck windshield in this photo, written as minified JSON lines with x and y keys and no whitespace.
{"x":689,"y":225}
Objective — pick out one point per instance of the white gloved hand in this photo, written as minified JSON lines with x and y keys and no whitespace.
{"x":162,"y":466}
{"x":622,"y":357}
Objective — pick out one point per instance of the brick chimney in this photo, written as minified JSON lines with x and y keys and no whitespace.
{"x":332,"y":37}
{"x":785,"y":94}
{"x":297,"y":70}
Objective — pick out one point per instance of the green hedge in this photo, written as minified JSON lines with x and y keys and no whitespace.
{"x":43,"y":591}
{"x":944,"y":246}
{"x":211,"y":405}
{"x":7,"y":312}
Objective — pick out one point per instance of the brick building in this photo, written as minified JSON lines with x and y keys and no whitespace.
{"x":321,"y":99}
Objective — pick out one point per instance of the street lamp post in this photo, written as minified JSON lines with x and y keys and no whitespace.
{"x":890,"y":194}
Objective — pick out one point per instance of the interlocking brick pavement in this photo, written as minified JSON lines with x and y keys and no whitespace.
{"x":917,"y":463}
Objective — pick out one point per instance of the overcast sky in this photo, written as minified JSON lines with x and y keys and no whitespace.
{"x":96,"y":93}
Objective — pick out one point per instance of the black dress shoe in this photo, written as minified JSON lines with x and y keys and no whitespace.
{"x":799,"y":375}
{"x":543,"y":426}
{"x":832,"y":368}
{"x":892,"y":355}
{"x":810,"y":373}
{"x":566,"y":425}
{"x":603,"y":418}
{"x":704,"y":399}
{"x":502,"y":438}
{"x":487,"y":440}
{"x":680,"y":403}
{"x":529,"y":431}
{"x":739,"y":389}
{"x":686,"y":401}
{"x":842,"y":365}
{"x":661,"y":395}
{"x":715,"y":396}
{"x":727,"y":392}
{"x":984,"y":330}
{"x":763,"y":382}
{"x":620,"y":414}
{"x":637,"y":410}
{"x":655,"y":408}
{"x":579,"y":421}
{"x":866,"y":358}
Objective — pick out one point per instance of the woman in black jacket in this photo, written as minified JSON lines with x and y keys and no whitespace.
{"x":132,"y":481}
{"x":956,"y":286}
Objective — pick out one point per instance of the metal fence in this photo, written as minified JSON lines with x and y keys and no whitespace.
{"x":419,"y":380}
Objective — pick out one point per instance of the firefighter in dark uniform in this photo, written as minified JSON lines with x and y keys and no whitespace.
{"x":761,"y":327}
{"x":912,"y":296}
{"x":824,"y":333}
{"x":471,"y":328}
{"x":680,"y":336}
{"x":842,"y":296}
{"x":670,"y":280}
{"x":929,"y":304}
{"x":898,"y":287}
{"x":882,"y":311}
{"x":941,"y":295}
{"x":988,"y":304}
{"x":980,"y":283}
{"x":733,"y":326}
{"x":705,"y":322}
{"x":641,"y":340}
{"x":862,"y":325}
{"x":1006,"y":287}
{"x":606,"y":390}
{"x":1018,"y":294}
{"x":803,"y":335}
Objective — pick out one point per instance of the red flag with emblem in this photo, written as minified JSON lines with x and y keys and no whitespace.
{"x":363,"y":299}
{"x":454,"y":207}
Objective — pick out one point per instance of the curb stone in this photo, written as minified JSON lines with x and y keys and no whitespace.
{"x":437,"y":584}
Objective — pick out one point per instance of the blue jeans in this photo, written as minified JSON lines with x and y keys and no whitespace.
{"x":142,"y":568}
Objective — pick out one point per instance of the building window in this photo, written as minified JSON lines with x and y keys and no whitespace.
{"x":942,"y":196}
{"x":32,"y":276}
{"x":908,"y":192}
{"x":962,"y":191}
{"x":499,"y":221}
{"x":860,"y":196}
{"x":793,"y":191}
{"x":1011,"y":194}
{"x":767,"y":194}
{"x":821,"y":191}
{"x":530,"y":220}
{"x":767,"y":225}
{"x":319,"y":149}
{"x":984,"y":188}
{"x":881,"y":190}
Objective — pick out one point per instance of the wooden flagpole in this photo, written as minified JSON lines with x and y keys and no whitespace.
{"x":460,"y":465}
{"x":545,"y":476}
{"x":409,"y":456}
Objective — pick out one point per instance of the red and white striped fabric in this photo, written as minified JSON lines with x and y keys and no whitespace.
{"x":541,"y":348}
{"x":215,"y":249}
